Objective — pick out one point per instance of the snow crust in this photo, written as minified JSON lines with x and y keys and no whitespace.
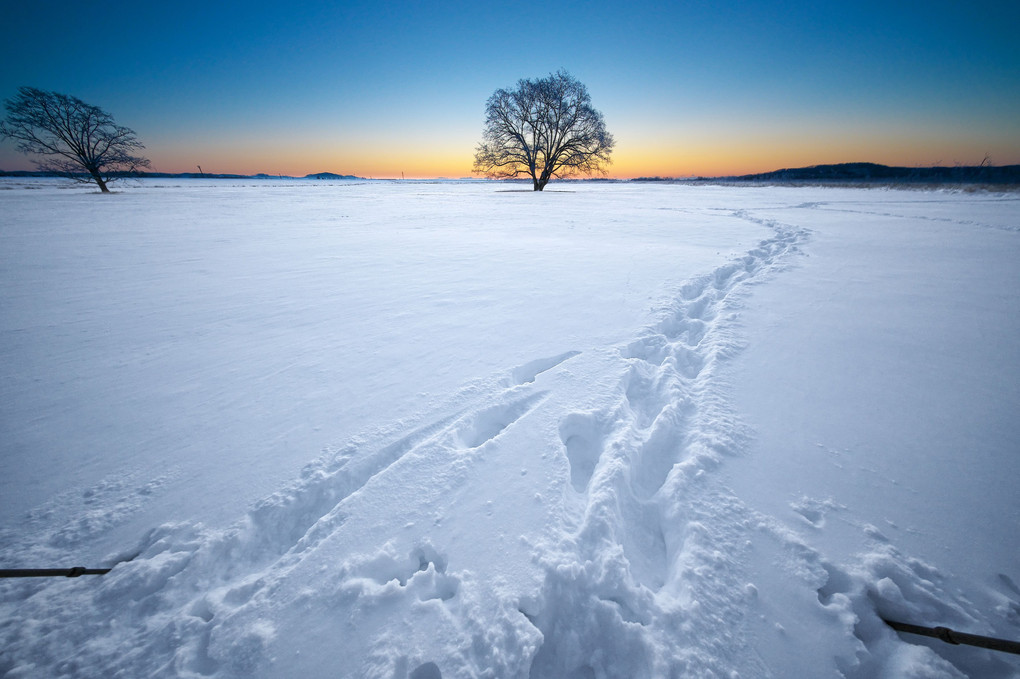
{"x":381,"y":429}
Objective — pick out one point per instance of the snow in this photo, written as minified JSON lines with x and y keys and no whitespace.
{"x":389,"y":429}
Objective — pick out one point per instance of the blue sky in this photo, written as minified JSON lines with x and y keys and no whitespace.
{"x":378,"y":89}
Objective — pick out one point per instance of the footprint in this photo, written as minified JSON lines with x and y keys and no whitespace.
{"x":646,"y":394}
{"x":724,"y":276}
{"x":699,"y":309}
{"x":427,"y":671}
{"x":1010,"y":608}
{"x":583,"y":435}
{"x":655,"y":458}
{"x":202,"y":608}
{"x":525,"y":374}
{"x":652,"y":349}
{"x":680,"y":326}
{"x":754,"y":261}
{"x":688,"y":363}
{"x":813,"y":511}
{"x":487,"y":424}
{"x":644,"y":545}
{"x":655,"y":349}
{"x":1008,"y":582}
{"x":836,"y":582}
{"x":692,"y":289}
{"x":422,"y":572}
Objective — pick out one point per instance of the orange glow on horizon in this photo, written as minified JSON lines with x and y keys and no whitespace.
{"x":627,"y":164}
{"x":706,"y":157}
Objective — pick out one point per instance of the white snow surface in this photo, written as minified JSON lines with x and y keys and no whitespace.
{"x":422,"y":430}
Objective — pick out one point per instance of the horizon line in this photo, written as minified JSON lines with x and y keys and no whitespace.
{"x":344,"y":175}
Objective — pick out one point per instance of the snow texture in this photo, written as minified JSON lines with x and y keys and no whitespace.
{"x":424,"y":430}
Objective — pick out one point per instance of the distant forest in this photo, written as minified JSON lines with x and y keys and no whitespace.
{"x":182,"y":175}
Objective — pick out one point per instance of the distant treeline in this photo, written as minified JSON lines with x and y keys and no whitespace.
{"x":873,"y":172}
{"x":181,"y":175}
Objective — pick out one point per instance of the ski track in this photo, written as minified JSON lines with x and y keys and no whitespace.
{"x":642,"y":570}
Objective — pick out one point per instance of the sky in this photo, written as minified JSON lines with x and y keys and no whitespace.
{"x":390,"y":89}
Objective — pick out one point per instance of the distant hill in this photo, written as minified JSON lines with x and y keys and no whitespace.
{"x":873,"y":172}
{"x":330,"y":175}
{"x":135,"y":175}
{"x":182,"y":175}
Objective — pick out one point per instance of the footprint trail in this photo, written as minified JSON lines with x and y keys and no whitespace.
{"x":652,"y":530}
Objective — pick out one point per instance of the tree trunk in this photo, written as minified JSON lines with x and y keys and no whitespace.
{"x":543,"y":179}
{"x":98,"y":179}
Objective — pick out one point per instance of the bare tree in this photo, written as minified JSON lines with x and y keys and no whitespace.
{"x":543,"y":128}
{"x":74,"y":139}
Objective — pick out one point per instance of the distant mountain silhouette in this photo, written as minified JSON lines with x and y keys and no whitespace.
{"x":330,"y":175}
{"x":873,"y":172}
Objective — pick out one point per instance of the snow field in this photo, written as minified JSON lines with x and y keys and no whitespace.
{"x":882,"y":397}
{"x":181,"y":331}
{"x":579,"y":512}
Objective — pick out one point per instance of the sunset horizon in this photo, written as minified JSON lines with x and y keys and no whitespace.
{"x":292,"y":170}
{"x":400,"y":90}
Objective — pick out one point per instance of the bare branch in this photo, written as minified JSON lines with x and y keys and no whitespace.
{"x":70,"y":137}
{"x":543,"y":128}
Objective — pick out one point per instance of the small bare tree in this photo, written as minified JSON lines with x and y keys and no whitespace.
{"x":543,"y":128}
{"x":74,"y":139}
